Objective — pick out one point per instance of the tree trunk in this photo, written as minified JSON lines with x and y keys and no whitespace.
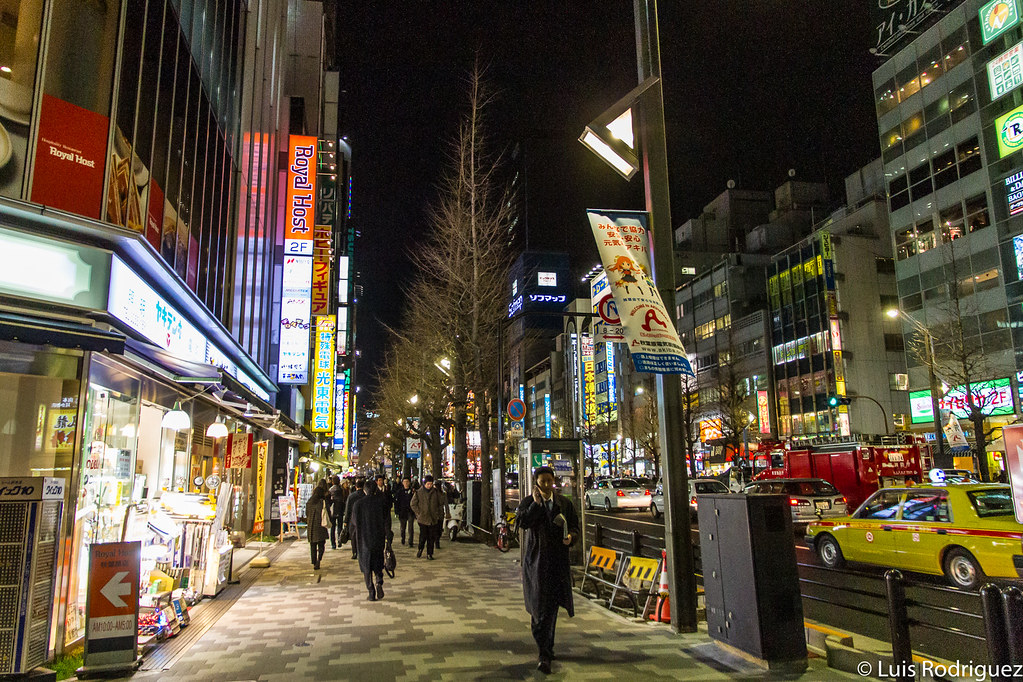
{"x":486,"y":464}
{"x":977,"y":418}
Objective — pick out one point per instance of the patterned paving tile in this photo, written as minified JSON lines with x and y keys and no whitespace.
{"x":459,"y":617}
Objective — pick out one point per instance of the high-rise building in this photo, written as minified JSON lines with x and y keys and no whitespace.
{"x":948,"y":102}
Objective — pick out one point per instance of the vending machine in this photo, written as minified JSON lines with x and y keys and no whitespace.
{"x":30,"y":512}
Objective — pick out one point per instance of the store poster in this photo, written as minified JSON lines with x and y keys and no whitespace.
{"x":127,"y":186}
{"x":62,"y":423}
{"x":68,"y":170}
{"x":154,"y":215}
{"x":289,"y":514}
{"x":1013,"y":436}
{"x":239,"y":450}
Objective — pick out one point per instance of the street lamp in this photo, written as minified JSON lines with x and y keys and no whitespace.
{"x":939,"y":436}
{"x":609,"y":137}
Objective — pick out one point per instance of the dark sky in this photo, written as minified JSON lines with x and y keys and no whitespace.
{"x":752,"y":89}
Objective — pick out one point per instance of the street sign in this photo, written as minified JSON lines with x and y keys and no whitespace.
{"x":516,"y":409}
{"x":112,"y":606}
{"x":413,"y":448}
{"x":608,"y":310}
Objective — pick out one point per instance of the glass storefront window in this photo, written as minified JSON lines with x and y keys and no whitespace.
{"x":110,"y":425}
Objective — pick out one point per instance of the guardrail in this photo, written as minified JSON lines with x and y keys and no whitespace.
{"x":942,"y":622}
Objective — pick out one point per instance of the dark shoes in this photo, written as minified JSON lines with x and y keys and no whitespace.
{"x":430,"y":557}
{"x":544,"y":666}
{"x":380,"y":591}
{"x":372,"y":596}
{"x":419,"y":554}
{"x":316,"y":566}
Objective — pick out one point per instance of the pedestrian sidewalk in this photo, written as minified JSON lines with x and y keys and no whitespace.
{"x":459,"y":617}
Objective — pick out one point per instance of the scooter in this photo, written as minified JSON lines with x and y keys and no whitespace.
{"x":454,"y":523}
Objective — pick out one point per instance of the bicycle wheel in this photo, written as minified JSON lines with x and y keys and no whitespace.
{"x":503,"y":539}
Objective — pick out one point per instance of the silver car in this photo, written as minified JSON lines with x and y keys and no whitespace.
{"x":697,"y":486}
{"x":810,"y":499}
{"x":618,"y":493}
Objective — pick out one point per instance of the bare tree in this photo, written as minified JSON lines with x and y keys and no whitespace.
{"x":690,"y":409}
{"x":957,"y":356}
{"x":732,"y":406}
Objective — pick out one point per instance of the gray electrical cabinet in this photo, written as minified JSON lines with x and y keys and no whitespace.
{"x":30,"y":511}
{"x":750,"y":580}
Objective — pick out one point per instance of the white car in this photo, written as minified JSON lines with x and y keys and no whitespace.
{"x":697,"y":486}
{"x":618,"y":493}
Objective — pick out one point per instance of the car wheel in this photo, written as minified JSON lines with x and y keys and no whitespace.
{"x":653,"y":511}
{"x":829,"y":552}
{"x":588,"y":503}
{"x":962,"y":570}
{"x":607,"y":504}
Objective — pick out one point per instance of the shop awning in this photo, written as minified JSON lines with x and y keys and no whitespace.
{"x":169,"y":366}
{"x":246,"y":394}
{"x":59,"y":333}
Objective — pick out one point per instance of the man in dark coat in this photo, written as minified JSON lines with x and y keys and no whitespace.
{"x":371,"y":519}
{"x":403,"y":508}
{"x":550,"y":526}
{"x":357,"y":494}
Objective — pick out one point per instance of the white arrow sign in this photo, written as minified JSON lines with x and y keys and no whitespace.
{"x":115,"y":589}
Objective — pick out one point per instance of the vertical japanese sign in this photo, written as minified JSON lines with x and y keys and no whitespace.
{"x":262,"y":450}
{"x":296,"y":299}
{"x":322,"y":256}
{"x":1013,"y":436}
{"x":624,"y":246}
{"x":589,"y":381}
{"x":340,"y":403}
{"x":112,"y":605}
{"x":763,"y":412}
{"x":323,"y":377}
{"x":300,"y":196}
{"x":239,"y":451}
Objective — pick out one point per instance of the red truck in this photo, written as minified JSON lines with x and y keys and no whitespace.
{"x":857,"y":469}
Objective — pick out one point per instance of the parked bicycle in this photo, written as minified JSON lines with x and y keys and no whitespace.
{"x":505,"y":535}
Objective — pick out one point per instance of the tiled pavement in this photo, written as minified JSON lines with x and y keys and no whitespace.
{"x":459,"y":617}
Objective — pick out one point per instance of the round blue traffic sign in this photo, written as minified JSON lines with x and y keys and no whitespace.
{"x":516,"y":409}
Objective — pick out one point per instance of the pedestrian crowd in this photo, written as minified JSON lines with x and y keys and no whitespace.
{"x":360,"y":511}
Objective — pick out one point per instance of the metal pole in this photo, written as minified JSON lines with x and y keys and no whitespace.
{"x":677,"y":537}
{"x":1012,"y":609}
{"x":995,"y":629}
{"x":884,"y":413}
{"x":939,"y":435}
{"x":898,"y":625}
{"x":501,"y":469}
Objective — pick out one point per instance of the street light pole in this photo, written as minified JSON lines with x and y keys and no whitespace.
{"x":677,"y":534}
{"x":939,"y":434}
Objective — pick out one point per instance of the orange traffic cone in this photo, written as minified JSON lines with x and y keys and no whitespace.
{"x":662,"y":612}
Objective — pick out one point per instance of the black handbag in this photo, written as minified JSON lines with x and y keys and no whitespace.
{"x":390,"y":561}
{"x":342,"y":537}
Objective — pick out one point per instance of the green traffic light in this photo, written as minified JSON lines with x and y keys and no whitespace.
{"x":833,"y":401}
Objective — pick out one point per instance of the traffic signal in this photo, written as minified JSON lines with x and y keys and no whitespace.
{"x":836,"y":400}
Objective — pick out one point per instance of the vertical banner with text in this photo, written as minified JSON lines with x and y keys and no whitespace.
{"x":623,"y":243}
{"x":323,"y":376}
{"x":262,"y":450}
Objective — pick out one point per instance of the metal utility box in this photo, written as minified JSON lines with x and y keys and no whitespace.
{"x":473,"y":501}
{"x":749,"y":574}
{"x":30,"y":512}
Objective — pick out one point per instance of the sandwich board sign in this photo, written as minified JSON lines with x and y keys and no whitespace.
{"x":112,"y":606}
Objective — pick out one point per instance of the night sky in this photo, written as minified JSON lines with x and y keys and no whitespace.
{"x":752,"y":89}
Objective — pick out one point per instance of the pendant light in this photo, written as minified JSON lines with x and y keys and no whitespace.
{"x":217,"y":429}
{"x":177,"y":419}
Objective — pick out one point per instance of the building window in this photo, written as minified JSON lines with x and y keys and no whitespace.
{"x":952,"y":224}
{"x":968,"y":153}
{"x":976,"y":211}
{"x":956,"y":47}
{"x":887,"y":97}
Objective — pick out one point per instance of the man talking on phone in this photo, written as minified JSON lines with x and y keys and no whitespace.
{"x":550,"y":526}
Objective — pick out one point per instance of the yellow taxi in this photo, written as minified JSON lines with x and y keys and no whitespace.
{"x":965,"y":532}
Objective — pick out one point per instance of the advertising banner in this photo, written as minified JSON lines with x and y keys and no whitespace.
{"x":262,"y":450}
{"x":624,"y":246}
{"x":69,"y":158}
{"x":112,"y":604}
{"x":954,"y":433}
{"x":239,"y":451}
{"x":995,"y":397}
{"x":997,"y":17}
{"x":321,"y":286}
{"x":1013,"y":436}
{"x":289,"y":514}
{"x":296,"y":300}
{"x":1005,"y":72}
{"x":1009,"y":132}
{"x":300,"y":200}
{"x":323,"y":377}
{"x":763,"y":412}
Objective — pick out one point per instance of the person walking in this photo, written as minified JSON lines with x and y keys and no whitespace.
{"x":551,"y":526}
{"x":403,"y":508}
{"x":428,"y":506}
{"x":371,"y":519}
{"x":356,"y":495}
{"x":315,"y":529}
{"x":385,"y":491}
{"x":336,"y":508}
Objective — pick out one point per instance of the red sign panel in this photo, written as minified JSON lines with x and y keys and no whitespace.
{"x":113,"y":601}
{"x":69,"y":158}
{"x":239,"y":450}
{"x":154,"y":216}
{"x":300,"y":203}
{"x":1013,"y":436}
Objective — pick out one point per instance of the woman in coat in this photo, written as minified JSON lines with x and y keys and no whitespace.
{"x":316,"y":530}
{"x":371,"y":517}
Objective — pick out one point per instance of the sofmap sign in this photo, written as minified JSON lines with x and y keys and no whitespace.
{"x":997,"y":17}
{"x":1009,"y":129}
{"x":1005,"y":72}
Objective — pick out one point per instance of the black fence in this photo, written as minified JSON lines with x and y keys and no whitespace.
{"x":942,"y":622}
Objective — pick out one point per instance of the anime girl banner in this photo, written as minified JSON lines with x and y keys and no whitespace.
{"x":624,"y":246}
